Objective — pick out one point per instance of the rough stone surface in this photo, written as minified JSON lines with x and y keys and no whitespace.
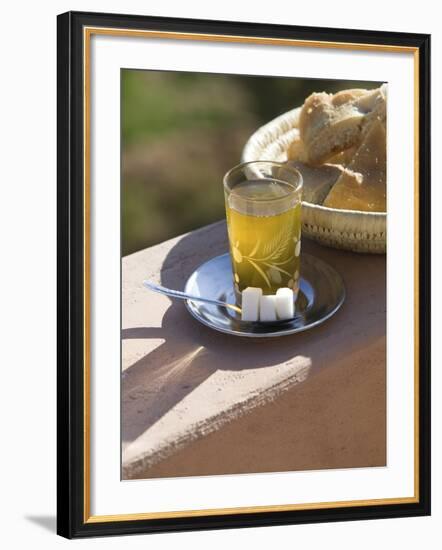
{"x":198,"y":402}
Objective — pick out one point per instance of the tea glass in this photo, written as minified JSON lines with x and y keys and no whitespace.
{"x":263,"y":211}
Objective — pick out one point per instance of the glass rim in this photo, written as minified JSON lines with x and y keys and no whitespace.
{"x":241,"y":165}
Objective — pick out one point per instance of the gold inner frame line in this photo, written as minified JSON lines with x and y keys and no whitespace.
{"x":87,"y":33}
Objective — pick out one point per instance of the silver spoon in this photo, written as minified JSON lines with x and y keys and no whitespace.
{"x":183,"y":296}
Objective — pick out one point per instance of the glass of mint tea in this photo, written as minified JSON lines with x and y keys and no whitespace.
{"x":263,"y":210}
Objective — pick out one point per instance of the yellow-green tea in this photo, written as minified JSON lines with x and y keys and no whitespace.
{"x":264,"y":227}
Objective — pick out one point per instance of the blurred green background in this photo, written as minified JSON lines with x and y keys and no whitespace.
{"x":181,"y":132}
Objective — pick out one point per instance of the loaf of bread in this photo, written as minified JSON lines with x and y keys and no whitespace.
{"x":331,"y":123}
{"x":362,"y":186}
{"x":341,"y":149}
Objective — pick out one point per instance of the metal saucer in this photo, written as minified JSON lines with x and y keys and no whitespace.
{"x":320,"y":296}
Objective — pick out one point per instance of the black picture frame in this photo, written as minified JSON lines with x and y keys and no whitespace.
{"x":73,"y":521}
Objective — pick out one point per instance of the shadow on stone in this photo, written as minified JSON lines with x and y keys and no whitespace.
{"x":191,"y":352}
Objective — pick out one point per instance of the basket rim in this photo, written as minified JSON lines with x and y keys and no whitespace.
{"x":354,"y":213}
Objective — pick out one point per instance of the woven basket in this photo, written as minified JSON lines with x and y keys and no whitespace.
{"x":348,"y":229}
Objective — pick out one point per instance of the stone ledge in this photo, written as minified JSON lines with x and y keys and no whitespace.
{"x":184,"y":385}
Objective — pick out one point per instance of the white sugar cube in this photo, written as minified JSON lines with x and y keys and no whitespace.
{"x":250,"y":303}
{"x":285,"y":305}
{"x":267,"y":308}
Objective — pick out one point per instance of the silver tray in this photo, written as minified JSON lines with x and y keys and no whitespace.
{"x":321,"y":294}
